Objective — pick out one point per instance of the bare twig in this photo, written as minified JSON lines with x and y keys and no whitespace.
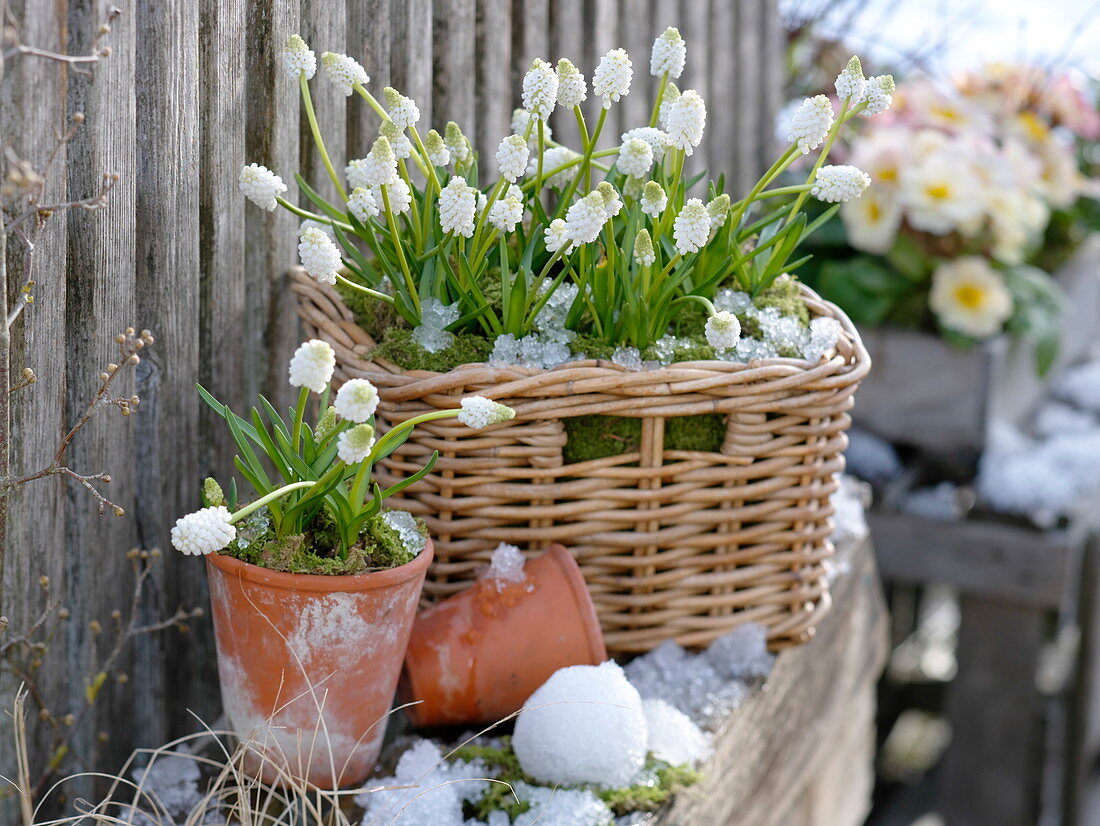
{"x":98,"y":51}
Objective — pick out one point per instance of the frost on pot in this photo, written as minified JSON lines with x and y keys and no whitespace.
{"x":319,"y":511}
{"x":460,"y":245}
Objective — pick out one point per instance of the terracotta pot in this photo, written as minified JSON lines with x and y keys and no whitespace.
{"x":308,"y":664}
{"x":476,"y":656}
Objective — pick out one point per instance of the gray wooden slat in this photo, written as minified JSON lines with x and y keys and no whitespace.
{"x":636,"y":34}
{"x":101,"y":303}
{"x":726,"y":122}
{"x":604,"y":33}
{"x":368,"y":41}
{"x":324,"y":27}
{"x":567,"y":40}
{"x":494,"y":77}
{"x":530,"y":39}
{"x":411,"y":53}
{"x":770,"y":73}
{"x":455,"y":66}
{"x":695,"y":28}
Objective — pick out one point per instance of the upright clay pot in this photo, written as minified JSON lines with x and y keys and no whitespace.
{"x":308,"y":663}
{"x":478,"y":655}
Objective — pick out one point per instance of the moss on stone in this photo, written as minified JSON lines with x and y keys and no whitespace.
{"x":687,"y":348}
{"x":399,"y":347}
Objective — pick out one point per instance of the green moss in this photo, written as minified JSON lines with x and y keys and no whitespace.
{"x":647,"y":798}
{"x":596,"y":437}
{"x":688,"y":319}
{"x":399,"y":347}
{"x":705,"y":432}
{"x":687,"y":348}
{"x":784,"y":294}
{"x":591,"y":347}
{"x":375,"y":316}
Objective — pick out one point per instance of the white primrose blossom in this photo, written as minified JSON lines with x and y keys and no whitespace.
{"x":379,"y":167}
{"x":839,"y":183}
{"x":319,"y":254}
{"x":850,"y":82}
{"x":362,"y":204}
{"x":669,"y":54}
{"x":402,"y":110}
{"x":261,"y":186}
{"x":344,"y":71}
{"x":723,"y":330}
{"x":512,"y":157}
{"x":399,"y":142}
{"x":540,"y":89}
{"x":657,"y":139}
{"x":612,"y":203}
{"x":458,"y":207}
{"x":685,"y":122}
{"x":644,"y":254}
{"x":399,"y":194}
{"x":203,"y":532}
{"x":356,"y":400}
{"x":586,"y":218}
{"x":506,"y":213}
{"x":354,"y":444}
{"x":572,"y":90}
{"x":458,"y":145}
{"x":312,"y":365}
{"x":611,"y":80}
{"x":654,"y":199}
{"x":878,"y":94}
{"x":478,"y":412}
{"x":556,"y":235}
{"x":811,"y":123}
{"x":438,"y":154}
{"x":298,"y":59}
{"x":672,"y":94}
{"x":691,"y":229}
{"x":635,"y":158}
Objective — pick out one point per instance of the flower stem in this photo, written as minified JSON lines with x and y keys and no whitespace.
{"x":397,"y":245}
{"x":372,"y":293}
{"x":313,"y":216}
{"x":408,"y":424}
{"x":317,"y":139}
{"x":264,"y":500}
{"x":659,"y":99}
{"x":299,"y":415}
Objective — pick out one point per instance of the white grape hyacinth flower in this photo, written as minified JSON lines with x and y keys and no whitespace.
{"x":672,"y":94}
{"x":479,"y":412}
{"x":506,"y":213}
{"x":458,"y":207}
{"x":399,"y":194}
{"x":540,"y":89}
{"x":402,"y":110}
{"x":572,"y":89}
{"x":356,"y":400}
{"x":512,"y":157}
{"x":669,"y":54}
{"x":656,"y":138}
{"x":319,"y":255}
{"x":205,"y":531}
{"x":438,"y":153}
{"x":611,"y":80}
{"x":379,"y":167}
{"x":556,"y":235}
{"x":878,"y":94}
{"x":362,"y":205}
{"x":691,"y":229}
{"x":811,"y":123}
{"x":401,"y":145}
{"x":654,"y":199}
{"x":261,"y":186}
{"x":686,"y":120}
{"x":298,"y":58}
{"x":838,"y":183}
{"x":644,"y":254}
{"x":723,"y":330}
{"x":635,"y":158}
{"x":355,"y":444}
{"x":312,"y":365}
{"x":585,"y":218}
{"x":851,"y":82}
{"x":612,"y":203}
{"x":458,"y":145}
{"x":344,"y":72}
{"x":718,"y":208}
{"x":520,"y":118}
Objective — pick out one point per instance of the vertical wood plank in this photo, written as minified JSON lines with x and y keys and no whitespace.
{"x":494,"y":76}
{"x":696,"y":17}
{"x":721,"y":136}
{"x":411,"y":52}
{"x":530,"y":39}
{"x":454,"y":66}
{"x":368,"y":40}
{"x":32,"y":113}
{"x":101,"y":288}
{"x":567,"y":40}
{"x":324,"y":26}
{"x":770,"y":73}
{"x":605,"y":36}
{"x":636,"y":33}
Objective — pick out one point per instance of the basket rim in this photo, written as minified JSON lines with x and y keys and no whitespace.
{"x":853,"y":369}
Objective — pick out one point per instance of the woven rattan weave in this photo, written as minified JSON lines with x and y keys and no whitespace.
{"x":673,"y":544}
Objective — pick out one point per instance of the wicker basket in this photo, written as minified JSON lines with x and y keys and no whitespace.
{"x":674,"y":544}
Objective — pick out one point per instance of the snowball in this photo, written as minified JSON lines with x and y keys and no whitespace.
{"x":673,"y":737}
{"x":583,"y":725}
{"x":506,"y":565}
{"x":172,"y":780}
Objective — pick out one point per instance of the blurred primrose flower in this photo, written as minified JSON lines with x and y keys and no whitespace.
{"x":326,"y":466}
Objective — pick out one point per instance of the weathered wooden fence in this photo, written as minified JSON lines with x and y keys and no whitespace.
{"x":191,"y":91}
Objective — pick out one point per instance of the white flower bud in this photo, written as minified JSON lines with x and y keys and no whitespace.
{"x":540,"y":89}
{"x":723,"y":330}
{"x":298,"y":59}
{"x":669,"y":54}
{"x":261,"y":186}
{"x":691,"y":229}
{"x":438,"y":154}
{"x":850,"y":82}
{"x":478,"y":412}
{"x":379,"y":167}
{"x":457,"y":207}
{"x":654,"y":199}
{"x":319,"y":255}
{"x":399,"y":194}
{"x":586,"y":218}
{"x":402,"y":110}
{"x":344,"y":72}
{"x":356,"y":401}
{"x":556,"y":235}
{"x":644,"y":254}
{"x":354,"y":444}
{"x":312,"y":365}
{"x":572,"y":90}
{"x":611,"y":80}
{"x":457,"y":143}
{"x":203,"y":532}
{"x":506,"y":213}
{"x":672,"y":94}
{"x":512,"y":157}
{"x":657,"y":140}
{"x":635,"y":158}
{"x":401,"y":145}
{"x":719,"y":210}
{"x":878,"y":94}
{"x":611,"y":201}
{"x":839,"y":183}
{"x":811,"y":123}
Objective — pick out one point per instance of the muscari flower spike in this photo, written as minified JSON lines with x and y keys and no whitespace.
{"x":635,"y":158}
{"x":457,"y":143}
{"x":356,"y":400}
{"x":811,"y":123}
{"x":478,"y":412}
{"x":654,"y":199}
{"x":343,"y":71}
{"x":458,"y":207}
{"x":572,"y":90}
{"x":840,"y":182}
{"x":312,"y":365}
{"x":691,"y":229}
{"x":298,"y":58}
{"x":512,"y":157}
{"x":203,"y":532}
{"x":669,"y":54}
{"x":586,"y":217}
{"x":723,"y":330}
{"x":355,"y":444}
{"x":540,"y":89}
{"x":878,"y":94}
{"x":399,"y":142}
{"x":362,"y":205}
{"x":319,"y":255}
{"x":556,"y":235}
{"x":402,"y":110}
{"x":261,"y":186}
{"x":611,"y":80}
{"x":644,"y":254}
{"x":438,"y":154}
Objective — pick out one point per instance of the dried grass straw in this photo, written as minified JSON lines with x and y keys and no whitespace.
{"x":674,"y":544}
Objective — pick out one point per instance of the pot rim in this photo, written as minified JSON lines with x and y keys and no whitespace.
{"x":586,"y":607}
{"x":323,"y":583}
